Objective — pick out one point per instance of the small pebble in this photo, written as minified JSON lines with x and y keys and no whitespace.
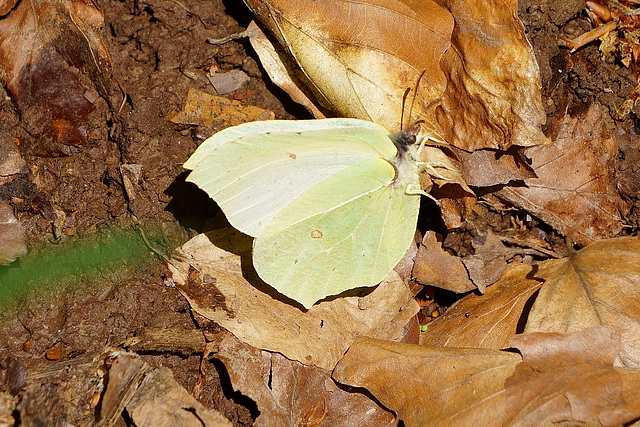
{"x":54,"y":353}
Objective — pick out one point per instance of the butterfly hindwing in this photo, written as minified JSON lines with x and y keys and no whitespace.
{"x":347,"y":231}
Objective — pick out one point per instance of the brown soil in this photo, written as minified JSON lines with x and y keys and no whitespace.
{"x":159,"y":51}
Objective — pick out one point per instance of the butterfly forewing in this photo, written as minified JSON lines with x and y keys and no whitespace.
{"x":254,"y":177}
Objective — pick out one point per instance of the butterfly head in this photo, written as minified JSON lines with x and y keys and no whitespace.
{"x":405,"y":138}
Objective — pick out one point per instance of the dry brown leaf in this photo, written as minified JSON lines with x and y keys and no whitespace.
{"x":564,"y":379}
{"x":289,"y":393}
{"x":598,"y":285}
{"x":436,"y":386}
{"x":43,"y":44}
{"x":489,"y":320}
{"x":492,"y":98}
{"x":161,"y":402}
{"x":571,"y":378}
{"x":13,"y":242}
{"x":488,"y":262}
{"x":363,"y":65}
{"x":489,"y":87}
{"x":227,"y":82}
{"x":276,"y":67}
{"x":454,"y":196}
{"x":436,"y":267}
{"x":204,"y":109}
{"x":317,"y":337}
{"x":486,"y":168}
{"x":574,"y":179}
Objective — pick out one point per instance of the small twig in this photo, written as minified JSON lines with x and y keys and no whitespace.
{"x":588,"y":37}
{"x":533,"y":246}
{"x":228,"y":38}
{"x":153,"y":249}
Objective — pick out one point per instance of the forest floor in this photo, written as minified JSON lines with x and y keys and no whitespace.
{"x":159,"y":52}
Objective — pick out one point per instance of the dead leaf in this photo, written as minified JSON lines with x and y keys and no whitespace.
{"x":489,"y":320}
{"x":483,"y":68}
{"x":361,"y":67}
{"x":437,"y":386}
{"x":161,"y":402}
{"x":488,"y":262}
{"x":12,"y":236}
{"x":565,"y":379}
{"x":249,"y":310}
{"x":454,"y":196}
{"x":228,"y":82}
{"x":204,"y":109}
{"x":492,"y":98}
{"x":280,"y":71}
{"x":43,"y":45}
{"x":436,"y":267}
{"x":289,"y":393}
{"x":486,"y":168}
{"x":570,"y":377}
{"x":598,"y":285}
{"x":574,"y":179}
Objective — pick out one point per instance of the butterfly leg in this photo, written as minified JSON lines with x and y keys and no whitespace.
{"x":413,"y":190}
{"x":430,"y":167}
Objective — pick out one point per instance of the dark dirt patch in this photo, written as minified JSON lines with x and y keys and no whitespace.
{"x":159,"y":51}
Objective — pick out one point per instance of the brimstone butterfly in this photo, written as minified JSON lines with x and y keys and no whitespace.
{"x":332,"y":203}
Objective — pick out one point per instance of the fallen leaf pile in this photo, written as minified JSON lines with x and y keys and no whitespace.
{"x":574,"y":322}
{"x":531,"y":346}
{"x":234,"y":297}
{"x":362,"y":69}
{"x":558,"y":377}
{"x":479,"y":94}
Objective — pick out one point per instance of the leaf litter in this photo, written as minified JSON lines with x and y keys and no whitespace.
{"x":290,"y":393}
{"x":574,"y":179}
{"x":501,"y":311}
{"x":558,"y":377}
{"x":44,"y":44}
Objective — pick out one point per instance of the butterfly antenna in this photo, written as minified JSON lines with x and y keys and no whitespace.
{"x":431,"y":104}
{"x":404,"y":100}
{"x":415,"y":94}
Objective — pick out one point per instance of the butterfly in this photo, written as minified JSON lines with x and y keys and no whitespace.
{"x":332,"y":203}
